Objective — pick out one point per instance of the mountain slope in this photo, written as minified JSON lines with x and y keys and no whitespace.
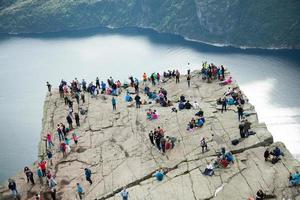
{"x":256,"y":23}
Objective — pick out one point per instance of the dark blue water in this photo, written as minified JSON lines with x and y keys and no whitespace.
{"x":270,"y":78}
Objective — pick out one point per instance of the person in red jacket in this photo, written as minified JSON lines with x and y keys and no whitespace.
{"x":43,"y":167}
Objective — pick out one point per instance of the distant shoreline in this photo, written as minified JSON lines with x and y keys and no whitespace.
{"x":140,"y":30}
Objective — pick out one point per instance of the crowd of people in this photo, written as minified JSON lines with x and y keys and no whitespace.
{"x":77,"y":90}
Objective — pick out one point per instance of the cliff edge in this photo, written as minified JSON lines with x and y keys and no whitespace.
{"x":116,"y":147}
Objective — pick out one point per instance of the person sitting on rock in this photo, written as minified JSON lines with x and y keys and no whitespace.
{"x":172,"y":140}
{"x":229,"y":157}
{"x":159,"y":175}
{"x":188,"y":105}
{"x":277,"y":152}
{"x":260,"y":195}
{"x":200,"y":122}
{"x":295,"y":179}
{"x":181,"y":105}
{"x":182,"y":98}
{"x":196,"y":105}
{"x":149,"y":114}
{"x":223,"y":162}
{"x":154,"y":115}
{"x":199,"y":113}
{"x":192,"y":124}
{"x":209,"y":170}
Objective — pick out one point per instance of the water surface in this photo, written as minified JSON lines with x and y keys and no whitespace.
{"x":269,"y":78}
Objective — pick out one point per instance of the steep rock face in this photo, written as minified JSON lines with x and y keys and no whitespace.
{"x":116,"y":147}
{"x":264,"y":24}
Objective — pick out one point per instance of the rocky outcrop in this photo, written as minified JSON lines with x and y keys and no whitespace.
{"x":116,"y":147}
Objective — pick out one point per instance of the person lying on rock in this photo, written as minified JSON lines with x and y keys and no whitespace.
{"x":226,"y":82}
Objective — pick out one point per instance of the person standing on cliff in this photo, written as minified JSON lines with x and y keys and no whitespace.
{"x":177,"y":76}
{"x":49,"y":87}
{"x":70,"y":121}
{"x":29,"y":175}
{"x":77,"y":119}
{"x":49,"y":140}
{"x":188,"y":78}
{"x":124,"y":194}
{"x":151,"y":137}
{"x":49,"y":156}
{"x":114,"y":103}
{"x":40,"y":175}
{"x":240,"y":112}
{"x":13,"y":187}
{"x":42,"y":165}
{"x":88,"y":175}
{"x":79,"y":190}
{"x":137,"y":99}
{"x":224,"y":104}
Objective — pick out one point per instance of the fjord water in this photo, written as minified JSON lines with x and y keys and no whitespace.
{"x":270,"y":79}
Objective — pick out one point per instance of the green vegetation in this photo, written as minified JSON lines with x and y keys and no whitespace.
{"x":254,"y":23}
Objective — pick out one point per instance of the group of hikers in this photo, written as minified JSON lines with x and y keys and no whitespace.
{"x":197,"y":121}
{"x":77,"y":90}
{"x":224,"y":158}
{"x":160,"y":141}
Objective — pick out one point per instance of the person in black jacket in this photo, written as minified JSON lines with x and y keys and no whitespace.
{"x":70,"y":121}
{"x":137,"y":99}
{"x":77,"y":119}
{"x":13,"y":187}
